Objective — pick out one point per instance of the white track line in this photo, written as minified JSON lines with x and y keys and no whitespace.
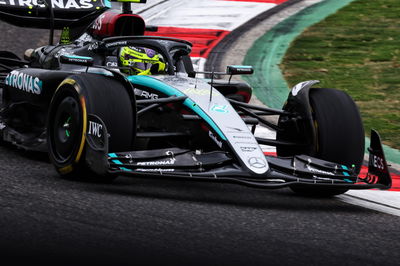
{"x":382,"y":201}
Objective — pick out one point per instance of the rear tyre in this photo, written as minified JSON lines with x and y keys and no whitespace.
{"x":76,"y":98}
{"x":339,"y":135}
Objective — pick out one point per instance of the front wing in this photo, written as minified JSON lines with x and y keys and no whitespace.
{"x":221,"y":166}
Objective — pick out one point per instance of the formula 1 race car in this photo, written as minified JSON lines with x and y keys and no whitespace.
{"x":95,"y":115}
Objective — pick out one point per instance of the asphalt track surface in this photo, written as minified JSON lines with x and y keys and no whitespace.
{"x":48,"y":220}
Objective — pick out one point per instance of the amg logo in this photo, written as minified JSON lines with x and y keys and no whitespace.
{"x":95,"y":129}
{"x":24,"y":82}
{"x":146,"y":94}
{"x":149,"y":95}
{"x":63,"y":4}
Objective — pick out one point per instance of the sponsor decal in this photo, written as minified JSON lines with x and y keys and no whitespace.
{"x":78,"y":60}
{"x":62,"y":4}
{"x":257,"y":162}
{"x":215,"y":139}
{"x":146,"y":94}
{"x":247,"y":148}
{"x":155,"y":163}
{"x":65,"y":36}
{"x":246,"y":143}
{"x":119,"y":43}
{"x":95,"y":129}
{"x":98,"y":22}
{"x":220,"y":108}
{"x":242,"y":137}
{"x":75,"y":59}
{"x":239,"y":70}
{"x":311,"y":169}
{"x":85,"y":38}
{"x":24,"y":82}
{"x":93,"y":46}
{"x":112,"y":61}
{"x":155,"y":170}
{"x":112,"y":64}
{"x":149,"y":95}
{"x":138,"y":50}
{"x":377,"y":162}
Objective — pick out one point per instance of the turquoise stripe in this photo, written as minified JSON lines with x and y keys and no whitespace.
{"x":345,"y":168}
{"x":114,"y":155}
{"x":346,"y":174}
{"x":241,"y":66}
{"x":125,"y":169}
{"x":101,"y":73}
{"x":107,"y":3}
{"x":171,"y":91}
{"x":192,"y":105}
{"x":79,"y":57}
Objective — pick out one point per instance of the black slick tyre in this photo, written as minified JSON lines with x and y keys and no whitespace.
{"x":339,"y":134}
{"x":67,"y":124}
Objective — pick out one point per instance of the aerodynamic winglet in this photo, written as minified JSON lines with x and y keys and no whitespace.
{"x":378,"y":171}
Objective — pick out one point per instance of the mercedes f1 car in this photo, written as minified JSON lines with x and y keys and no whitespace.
{"x":76,"y":102}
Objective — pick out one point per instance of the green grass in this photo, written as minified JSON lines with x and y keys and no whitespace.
{"x":356,"y":50}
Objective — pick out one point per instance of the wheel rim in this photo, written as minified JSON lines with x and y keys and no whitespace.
{"x":66,"y":129}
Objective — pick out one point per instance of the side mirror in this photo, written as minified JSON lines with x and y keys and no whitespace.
{"x":239,"y":70}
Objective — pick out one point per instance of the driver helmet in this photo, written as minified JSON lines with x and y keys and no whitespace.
{"x":141,"y":61}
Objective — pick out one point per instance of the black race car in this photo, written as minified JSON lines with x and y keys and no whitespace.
{"x":76,"y":102}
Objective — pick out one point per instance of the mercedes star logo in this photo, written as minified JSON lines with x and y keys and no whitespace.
{"x":257,"y":162}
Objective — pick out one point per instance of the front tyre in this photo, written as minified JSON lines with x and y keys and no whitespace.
{"x":67,"y":125}
{"x":339,"y":134}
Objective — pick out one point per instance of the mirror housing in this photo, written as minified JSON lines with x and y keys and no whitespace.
{"x":239,"y":70}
